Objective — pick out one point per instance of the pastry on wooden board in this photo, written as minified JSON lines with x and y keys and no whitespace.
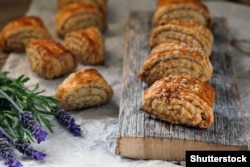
{"x":188,"y":31}
{"x":49,"y":59}
{"x":181,"y":9}
{"x":16,"y":33}
{"x":79,"y":16}
{"x":101,"y":4}
{"x":87,"y":45}
{"x":83,"y":89}
{"x":175,"y":58}
{"x":181,"y":100}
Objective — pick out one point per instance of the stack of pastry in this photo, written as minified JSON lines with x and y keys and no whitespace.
{"x":48,"y":58}
{"x":80,"y":23}
{"x":178,"y":67}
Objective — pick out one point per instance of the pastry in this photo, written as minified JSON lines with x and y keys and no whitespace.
{"x":180,"y":100}
{"x":87,"y":45}
{"x":101,"y":4}
{"x":49,"y":59}
{"x":188,"y":31}
{"x":16,"y":33}
{"x":79,"y":16}
{"x":181,"y":9}
{"x":175,"y":58}
{"x":83,"y":89}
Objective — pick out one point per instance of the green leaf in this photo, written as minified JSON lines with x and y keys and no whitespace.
{"x":47,"y":123}
{"x":15,"y":122}
{"x":24,"y":99}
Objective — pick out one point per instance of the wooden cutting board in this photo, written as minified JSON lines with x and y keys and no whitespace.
{"x":141,"y":137}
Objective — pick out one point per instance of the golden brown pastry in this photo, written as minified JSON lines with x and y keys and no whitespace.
{"x":181,"y":9}
{"x":101,"y":4}
{"x":180,"y":100}
{"x":175,"y":58}
{"x":49,"y":59}
{"x":188,"y":31}
{"x":16,"y":33}
{"x":87,"y":45}
{"x":79,"y":16}
{"x":83,"y":89}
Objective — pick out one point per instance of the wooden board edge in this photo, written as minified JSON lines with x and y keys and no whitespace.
{"x":165,"y":148}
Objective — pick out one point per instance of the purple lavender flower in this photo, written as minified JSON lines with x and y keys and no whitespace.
{"x":7,"y":153}
{"x":2,"y":135}
{"x":28,"y":122}
{"x":28,"y":150}
{"x":12,"y":162}
{"x":65,"y":118}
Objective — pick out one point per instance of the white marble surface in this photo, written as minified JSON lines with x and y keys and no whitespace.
{"x":96,"y":146}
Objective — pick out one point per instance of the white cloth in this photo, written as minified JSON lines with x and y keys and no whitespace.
{"x":96,"y":146}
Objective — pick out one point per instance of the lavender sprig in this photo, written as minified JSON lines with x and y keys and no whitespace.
{"x":65,"y":118}
{"x":15,"y":99}
{"x":22,"y":112}
{"x":7,"y":153}
{"x":28,"y":122}
{"x":29,"y":151}
{"x":25,"y":149}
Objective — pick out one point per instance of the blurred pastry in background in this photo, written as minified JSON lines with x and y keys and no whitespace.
{"x":101,"y":4}
{"x":184,"y":30}
{"x":87,"y":45}
{"x":79,"y":16}
{"x":167,"y":10}
{"x":18,"y":32}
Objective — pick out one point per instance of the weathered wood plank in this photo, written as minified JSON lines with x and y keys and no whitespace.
{"x":140,"y":136}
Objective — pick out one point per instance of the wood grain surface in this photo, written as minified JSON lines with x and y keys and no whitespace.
{"x":10,"y":9}
{"x":140,"y":136}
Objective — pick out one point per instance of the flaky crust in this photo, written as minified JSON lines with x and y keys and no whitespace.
{"x":101,"y":4}
{"x":188,"y":31}
{"x":83,"y":89}
{"x":87,"y":45}
{"x":79,"y":16}
{"x":176,"y":9}
{"x":180,"y":100}
{"x":175,"y":58}
{"x":16,"y":33}
{"x":49,"y":59}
